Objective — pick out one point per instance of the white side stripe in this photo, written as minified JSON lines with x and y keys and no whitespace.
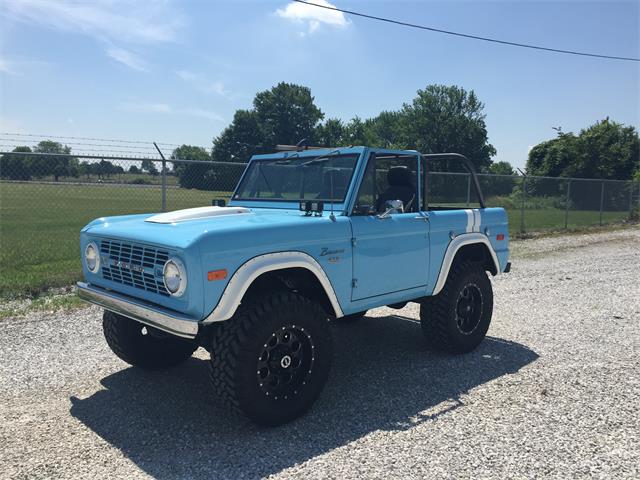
{"x":470,"y":220}
{"x":476,"y":220}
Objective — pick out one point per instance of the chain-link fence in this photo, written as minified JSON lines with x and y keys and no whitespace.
{"x":46,"y":198}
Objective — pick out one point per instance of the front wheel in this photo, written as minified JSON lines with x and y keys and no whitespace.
{"x":272,"y":359}
{"x":143,"y":346}
{"x":457,"y":319}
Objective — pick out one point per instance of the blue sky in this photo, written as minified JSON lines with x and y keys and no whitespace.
{"x":175,"y":71}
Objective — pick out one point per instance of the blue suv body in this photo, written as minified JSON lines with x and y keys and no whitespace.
{"x":342,"y":230}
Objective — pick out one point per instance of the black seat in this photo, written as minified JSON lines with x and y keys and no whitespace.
{"x":400,"y":188}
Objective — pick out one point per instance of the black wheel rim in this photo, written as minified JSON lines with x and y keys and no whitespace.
{"x":285,"y":362}
{"x":469,"y":308}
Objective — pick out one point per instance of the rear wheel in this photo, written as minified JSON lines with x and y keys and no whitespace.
{"x":457,"y":319}
{"x":143,"y":346}
{"x":272,"y":359}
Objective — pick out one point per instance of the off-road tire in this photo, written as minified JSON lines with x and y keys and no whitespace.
{"x":440,"y":315}
{"x":354,"y":317}
{"x":149,"y":351}
{"x":239,"y":346}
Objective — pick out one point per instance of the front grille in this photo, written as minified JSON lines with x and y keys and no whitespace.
{"x":138,"y":266}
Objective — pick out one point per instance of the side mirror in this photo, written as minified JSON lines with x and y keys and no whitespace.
{"x":218,"y":202}
{"x":391,"y":207}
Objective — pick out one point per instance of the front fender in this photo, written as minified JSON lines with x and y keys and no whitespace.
{"x":253,"y":268}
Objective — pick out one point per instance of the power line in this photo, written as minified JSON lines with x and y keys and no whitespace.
{"x":465,"y":35}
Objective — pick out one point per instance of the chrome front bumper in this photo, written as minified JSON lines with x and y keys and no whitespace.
{"x":162,"y":319}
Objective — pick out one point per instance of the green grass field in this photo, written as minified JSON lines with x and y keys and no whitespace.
{"x":40,"y":225}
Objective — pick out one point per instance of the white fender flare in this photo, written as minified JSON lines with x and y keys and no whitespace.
{"x":252,"y":269}
{"x":456,"y":244}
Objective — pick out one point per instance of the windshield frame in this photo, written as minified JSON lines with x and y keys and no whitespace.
{"x":309,"y":155}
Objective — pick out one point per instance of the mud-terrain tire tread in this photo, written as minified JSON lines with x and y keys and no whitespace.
{"x":231,"y":339}
{"x":435,"y":312}
{"x":147,"y":352}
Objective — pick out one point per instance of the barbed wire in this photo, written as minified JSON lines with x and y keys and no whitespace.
{"x":87,"y":138}
{"x":80,"y":152}
{"x":134,"y":149}
{"x":137,"y":147}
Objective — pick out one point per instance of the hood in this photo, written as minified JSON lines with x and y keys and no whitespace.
{"x":181,"y":228}
{"x":197,"y":213}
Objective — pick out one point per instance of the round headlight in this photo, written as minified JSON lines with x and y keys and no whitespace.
{"x":175,"y":277}
{"x":92,"y":257}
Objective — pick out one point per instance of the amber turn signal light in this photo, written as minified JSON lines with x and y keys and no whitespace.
{"x":217,"y":275}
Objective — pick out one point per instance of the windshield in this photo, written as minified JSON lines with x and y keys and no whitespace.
{"x":326,"y":177}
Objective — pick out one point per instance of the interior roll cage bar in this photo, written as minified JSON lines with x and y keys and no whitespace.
{"x":450,"y":156}
{"x":303,"y":145}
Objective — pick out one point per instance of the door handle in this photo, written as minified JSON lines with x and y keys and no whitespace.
{"x":420,"y":217}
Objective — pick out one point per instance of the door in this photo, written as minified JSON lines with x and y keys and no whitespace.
{"x":391,"y":247}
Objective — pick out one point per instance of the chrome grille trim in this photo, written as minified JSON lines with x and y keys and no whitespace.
{"x":134,"y":265}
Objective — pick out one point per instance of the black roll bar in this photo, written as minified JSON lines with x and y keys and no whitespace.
{"x":450,"y":156}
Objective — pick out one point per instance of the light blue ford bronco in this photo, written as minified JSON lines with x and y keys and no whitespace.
{"x":308,"y":238}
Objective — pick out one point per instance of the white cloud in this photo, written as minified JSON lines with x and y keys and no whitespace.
{"x":198,"y":112}
{"x":165,"y":109}
{"x":312,"y":16}
{"x":10,"y":125}
{"x":146,"y":22}
{"x":111,"y":22}
{"x":186,"y":75}
{"x":145,"y":107}
{"x":127,"y":58}
{"x":5,"y":66}
{"x":202,"y":84}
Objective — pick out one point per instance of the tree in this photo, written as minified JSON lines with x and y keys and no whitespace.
{"x":607,"y":150}
{"x":240,"y":140}
{"x":149,"y":166}
{"x":387,"y":130}
{"x":54,"y":165}
{"x":134,"y":169}
{"x":501,"y":168}
{"x":447,"y":119}
{"x":192,"y":175}
{"x":500,"y":182}
{"x":331,"y":133}
{"x":284,"y":114}
{"x":17,"y":167}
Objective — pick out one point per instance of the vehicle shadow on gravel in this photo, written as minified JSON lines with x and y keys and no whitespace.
{"x":383,"y":378}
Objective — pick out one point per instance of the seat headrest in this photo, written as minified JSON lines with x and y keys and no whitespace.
{"x":399,"y":177}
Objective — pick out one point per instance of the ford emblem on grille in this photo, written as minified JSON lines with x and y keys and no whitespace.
{"x":126,"y":265}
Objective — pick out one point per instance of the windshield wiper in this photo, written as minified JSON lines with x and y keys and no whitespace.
{"x":320,"y":158}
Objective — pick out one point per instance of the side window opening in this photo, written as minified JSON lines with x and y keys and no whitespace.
{"x":450,"y":185}
{"x":388,"y":177}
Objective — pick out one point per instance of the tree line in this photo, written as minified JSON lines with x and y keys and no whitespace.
{"x":27,"y":167}
{"x":440,"y":118}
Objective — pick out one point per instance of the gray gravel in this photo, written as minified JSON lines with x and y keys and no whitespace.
{"x":552,"y":392}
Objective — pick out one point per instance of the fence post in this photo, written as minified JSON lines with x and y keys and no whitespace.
{"x":164,"y":178}
{"x":601,"y":201}
{"x":524,"y":199}
{"x":468,"y":188}
{"x":566,"y":205}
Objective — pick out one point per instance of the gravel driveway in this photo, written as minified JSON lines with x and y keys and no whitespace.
{"x":553,"y":391}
